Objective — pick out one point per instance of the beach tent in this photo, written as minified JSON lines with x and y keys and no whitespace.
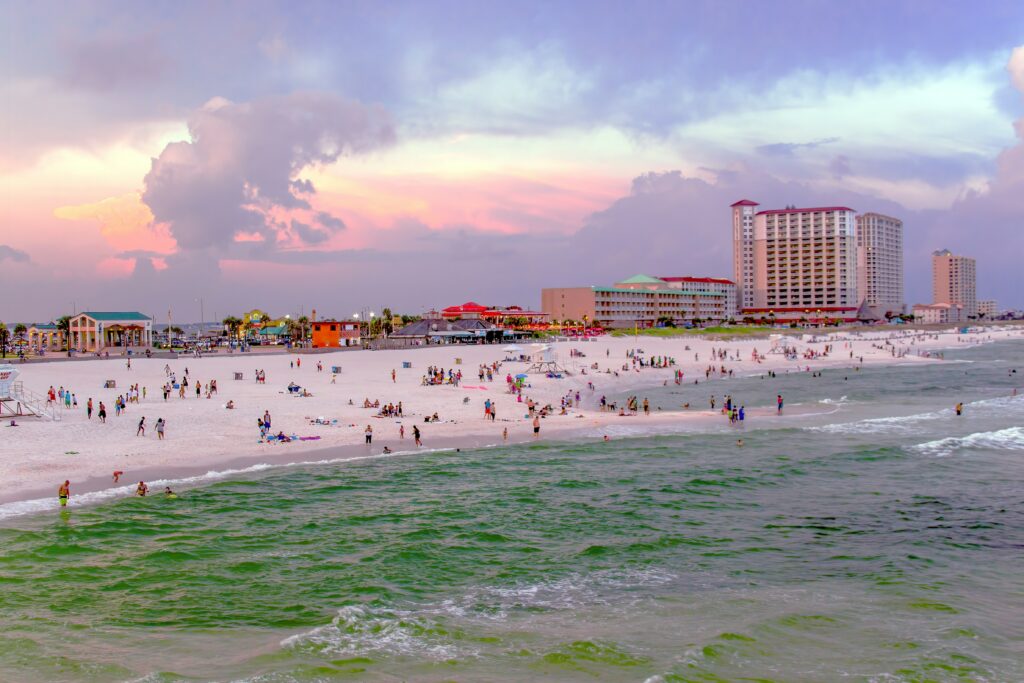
{"x":512,"y":348}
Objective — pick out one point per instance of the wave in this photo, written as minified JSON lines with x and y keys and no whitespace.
{"x":27,"y":507}
{"x":906,"y":423}
{"x":1011,"y":438}
{"x":437,"y":631}
{"x":830,"y":401}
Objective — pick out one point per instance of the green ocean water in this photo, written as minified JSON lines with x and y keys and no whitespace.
{"x":875,"y":537}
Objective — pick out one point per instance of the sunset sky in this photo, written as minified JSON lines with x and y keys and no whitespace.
{"x":345,"y":155}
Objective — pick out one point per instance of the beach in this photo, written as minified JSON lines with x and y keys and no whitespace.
{"x":868,"y":532}
{"x":204,"y":438}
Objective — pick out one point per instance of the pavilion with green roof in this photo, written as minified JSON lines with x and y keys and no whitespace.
{"x":94,"y":331}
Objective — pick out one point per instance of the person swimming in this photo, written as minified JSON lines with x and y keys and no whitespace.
{"x":169,"y":493}
{"x":63,"y":493}
{"x":141,"y":489}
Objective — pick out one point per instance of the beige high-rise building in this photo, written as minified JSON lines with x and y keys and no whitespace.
{"x":743,"y":251}
{"x":880,"y":263}
{"x":954,"y":281}
{"x":794,"y":263}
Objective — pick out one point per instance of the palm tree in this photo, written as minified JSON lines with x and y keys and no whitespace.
{"x":386,"y":315}
{"x":5,"y":335}
{"x":64,"y":327}
{"x":293,"y":328}
{"x":303,"y":322}
{"x":20,"y":329}
{"x":232,"y":325}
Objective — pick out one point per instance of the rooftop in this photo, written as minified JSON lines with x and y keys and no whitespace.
{"x":115,"y":315}
{"x":815,"y":209}
{"x":718,"y":280}
{"x":745,"y":202}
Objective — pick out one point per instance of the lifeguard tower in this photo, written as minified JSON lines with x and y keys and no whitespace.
{"x":16,"y":401}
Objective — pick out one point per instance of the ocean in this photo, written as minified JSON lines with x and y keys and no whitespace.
{"x":869,"y":534}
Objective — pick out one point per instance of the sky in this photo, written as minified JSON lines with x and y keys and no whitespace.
{"x":207,"y":158}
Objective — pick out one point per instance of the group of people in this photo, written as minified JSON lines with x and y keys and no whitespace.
{"x":141,"y":490}
{"x":61,"y":396}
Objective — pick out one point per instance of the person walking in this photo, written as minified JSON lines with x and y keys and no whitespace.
{"x":88,"y":409}
{"x":416,"y":435}
{"x":63,"y":493}
{"x":369,"y":434}
{"x":141,"y":431}
{"x":536,"y":427}
{"x":160,"y":424}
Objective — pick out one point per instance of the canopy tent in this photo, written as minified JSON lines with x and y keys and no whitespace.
{"x":512,"y":348}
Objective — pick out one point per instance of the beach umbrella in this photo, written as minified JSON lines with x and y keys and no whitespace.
{"x":521,"y":376}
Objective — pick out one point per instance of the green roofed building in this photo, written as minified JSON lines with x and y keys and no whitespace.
{"x":94,"y":331}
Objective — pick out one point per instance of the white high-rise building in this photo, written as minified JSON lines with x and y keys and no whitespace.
{"x":880,"y":263}
{"x":743,"y":251}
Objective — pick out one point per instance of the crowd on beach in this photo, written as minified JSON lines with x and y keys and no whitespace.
{"x":522,"y":399}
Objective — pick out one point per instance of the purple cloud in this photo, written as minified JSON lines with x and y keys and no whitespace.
{"x":14,"y":255}
{"x":243,"y":161}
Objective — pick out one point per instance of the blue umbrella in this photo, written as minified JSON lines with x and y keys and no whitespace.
{"x":521,"y":376}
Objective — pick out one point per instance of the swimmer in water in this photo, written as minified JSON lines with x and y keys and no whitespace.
{"x":169,"y":493}
{"x":959,"y":408}
{"x":386,"y":450}
{"x":739,"y":443}
{"x":141,"y":489}
{"x":63,"y":493}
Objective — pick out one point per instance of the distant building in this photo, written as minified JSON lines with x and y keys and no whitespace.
{"x":791,"y":261}
{"x":495,"y":314}
{"x":743,"y":251}
{"x":45,"y":336}
{"x":939,"y":313}
{"x":332,"y":334}
{"x":954,"y":281}
{"x":641,"y":301}
{"x":988,"y":307}
{"x":880,"y":264}
{"x":92,"y":331}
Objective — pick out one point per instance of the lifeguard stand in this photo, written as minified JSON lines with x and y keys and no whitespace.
{"x":16,"y":401}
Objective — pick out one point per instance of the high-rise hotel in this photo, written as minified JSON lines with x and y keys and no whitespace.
{"x":953,"y":281}
{"x":792,"y":263}
{"x":880,"y":263}
{"x":816,"y":263}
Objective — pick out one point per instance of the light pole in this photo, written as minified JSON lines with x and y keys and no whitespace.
{"x":202,"y":315}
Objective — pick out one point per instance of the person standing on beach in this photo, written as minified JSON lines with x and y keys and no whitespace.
{"x":778,"y":403}
{"x":393,"y":376}
{"x":141,"y":431}
{"x":959,"y":408}
{"x":401,"y":431}
{"x":504,"y":434}
{"x":102,"y":413}
{"x":416,"y":435}
{"x":536,"y":427}
{"x":160,"y":424}
{"x":63,"y":493}
{"x":369,"y":434}
{"x":647,"y":407}
{"x":88,"y":409}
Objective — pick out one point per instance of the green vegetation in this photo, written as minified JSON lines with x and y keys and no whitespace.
{"x":724,"y":330}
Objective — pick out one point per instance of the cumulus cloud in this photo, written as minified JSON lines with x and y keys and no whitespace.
{"x":11,"y":254}
{"x":243,"y":162}
{"x":1016,"y":68}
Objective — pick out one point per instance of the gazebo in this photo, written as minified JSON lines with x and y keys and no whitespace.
{"x":93,"y":331}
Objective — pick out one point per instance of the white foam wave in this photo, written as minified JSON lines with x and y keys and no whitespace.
{"x":830,"y":401}
{"x":434,"y":630}
{"x":1011,"y":438}
{"x":358,"y":631}
{"x":907,"y":423}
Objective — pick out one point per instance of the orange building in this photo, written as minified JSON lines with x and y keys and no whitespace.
{"x":333,"y":334}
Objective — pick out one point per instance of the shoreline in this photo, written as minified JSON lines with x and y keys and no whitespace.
{"x":39,"y":455}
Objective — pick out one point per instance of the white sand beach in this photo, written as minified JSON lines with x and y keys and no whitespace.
{"x":202,"y":435}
